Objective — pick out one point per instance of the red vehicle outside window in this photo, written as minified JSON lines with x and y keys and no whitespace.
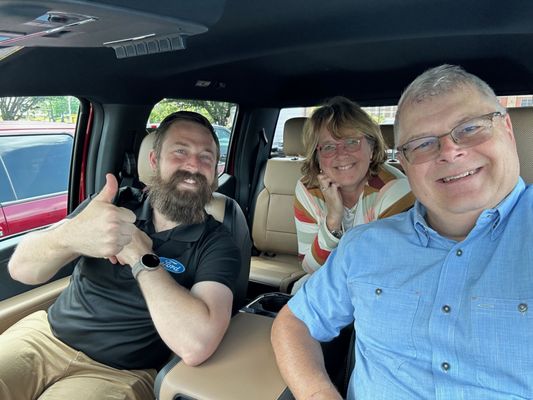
{"x":34,"y":172}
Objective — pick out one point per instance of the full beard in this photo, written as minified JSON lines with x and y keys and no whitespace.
{"x":183,"y":206}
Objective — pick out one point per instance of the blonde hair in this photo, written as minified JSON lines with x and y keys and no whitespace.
{"x":337,"y":114}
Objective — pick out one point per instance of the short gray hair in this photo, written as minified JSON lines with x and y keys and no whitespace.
{"x":439,"y":81}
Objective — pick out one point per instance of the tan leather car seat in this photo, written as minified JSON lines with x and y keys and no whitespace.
{"x":388,"y":134}
{"x":273,"y":228}
{"x":522,"y":119}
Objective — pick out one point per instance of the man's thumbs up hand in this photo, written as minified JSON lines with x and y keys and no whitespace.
{"x":109,"y":191}
{"x":102,"y":229}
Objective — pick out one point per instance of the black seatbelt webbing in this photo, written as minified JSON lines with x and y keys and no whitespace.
{"x":128,"y":174}
{"x":261,"y":146}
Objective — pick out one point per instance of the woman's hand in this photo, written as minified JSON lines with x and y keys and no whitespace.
{"x":333,"y":198}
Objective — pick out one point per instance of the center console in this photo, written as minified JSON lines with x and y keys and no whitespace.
{"x":242,"y":368}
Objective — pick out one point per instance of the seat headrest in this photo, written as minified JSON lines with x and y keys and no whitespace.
{"x":143,"y":163}
{"x":522,"y":119}
{"x":293,"y":144}
{"x":388,"y":134}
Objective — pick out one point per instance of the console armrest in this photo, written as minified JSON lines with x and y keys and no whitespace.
{"x":243,"y":367}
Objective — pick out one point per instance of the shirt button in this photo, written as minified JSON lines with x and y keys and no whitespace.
{"x":522,"y":307}
{"x":446,"y":309}
{"x":378,"y":291}
{"x":459,"y":253}
{"x":445,"y":366}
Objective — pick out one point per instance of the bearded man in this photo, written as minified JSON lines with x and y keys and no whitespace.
{"x":154,"y":274}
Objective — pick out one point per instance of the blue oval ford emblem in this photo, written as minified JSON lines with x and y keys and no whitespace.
{"x":172,"y":265}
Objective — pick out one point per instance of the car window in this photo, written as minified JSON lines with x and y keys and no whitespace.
{"x":37,"y":164}
{"x":223,"y":135}
{"x":36,"y":141}
{"x":7,"y":193}
{"x":220,"y":114}
{"x":383,"y":115}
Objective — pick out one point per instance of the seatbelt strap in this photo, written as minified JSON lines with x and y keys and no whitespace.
{"x":128,"y":174}
{"x":261,"y":146}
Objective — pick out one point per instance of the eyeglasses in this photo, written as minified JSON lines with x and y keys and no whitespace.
{"x":350,"y":145}
{"x":467,"y":134}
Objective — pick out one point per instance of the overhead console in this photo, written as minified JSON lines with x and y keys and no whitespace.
{"x":131,"y":28}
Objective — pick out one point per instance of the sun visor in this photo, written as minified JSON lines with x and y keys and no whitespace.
{"x":131,"y":28}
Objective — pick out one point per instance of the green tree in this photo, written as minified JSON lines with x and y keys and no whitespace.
{"x":53,"y":108}
{"x":14,"y":108}
{"x":59,"y":108}
{"x":216,"y":112}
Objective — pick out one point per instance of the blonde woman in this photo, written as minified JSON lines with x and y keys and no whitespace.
{"x":346,"y":181}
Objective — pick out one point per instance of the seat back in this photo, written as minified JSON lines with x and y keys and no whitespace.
{"x":388,"y":134}
{"x":522,"y":119}
{"x":273,"y":228}
{"x":224,"y":209}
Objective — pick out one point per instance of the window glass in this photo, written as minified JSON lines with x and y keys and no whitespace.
{"x":36,"y":139}
{"x":220,"y":114}
{"x":383,"y":115}
{"x":6,"y":192}
{"x":37,"y":164}
{"x":516,"y":101}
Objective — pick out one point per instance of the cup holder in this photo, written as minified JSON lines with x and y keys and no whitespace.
{"x":268,"y":304}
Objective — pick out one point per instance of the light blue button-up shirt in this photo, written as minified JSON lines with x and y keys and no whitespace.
{"x":435,"y":318}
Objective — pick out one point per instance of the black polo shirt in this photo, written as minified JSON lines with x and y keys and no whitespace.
{"x":103,"y":312}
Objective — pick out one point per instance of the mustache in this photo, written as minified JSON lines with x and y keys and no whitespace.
{"x":181,"y":175}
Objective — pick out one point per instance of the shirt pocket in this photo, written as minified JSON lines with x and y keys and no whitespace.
{"x":384,"y":319}
{"x":502,"y":337}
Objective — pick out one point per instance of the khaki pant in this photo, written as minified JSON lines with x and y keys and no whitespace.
{"x":34,"y":364}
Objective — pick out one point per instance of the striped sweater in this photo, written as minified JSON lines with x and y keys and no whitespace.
{"x":384,"y":195}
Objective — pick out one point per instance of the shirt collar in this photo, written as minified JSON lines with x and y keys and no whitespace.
{"x":421,"y":227}
{"x":493,"y":216}
{"x":497,"y":215}
{"x":183,"y":233}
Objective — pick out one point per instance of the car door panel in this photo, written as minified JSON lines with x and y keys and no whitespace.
{"x":34,"y":213}
{"x":23,"y":304}
{"x":17,"y":299}
{"x":4,"y":228}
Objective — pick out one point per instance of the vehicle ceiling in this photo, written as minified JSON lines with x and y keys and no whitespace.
{"x":272,"y":53}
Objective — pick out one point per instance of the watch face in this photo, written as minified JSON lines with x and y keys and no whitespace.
{"x":150,"y":260}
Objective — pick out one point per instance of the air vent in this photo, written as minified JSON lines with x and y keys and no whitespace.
{"x":148,"y":44}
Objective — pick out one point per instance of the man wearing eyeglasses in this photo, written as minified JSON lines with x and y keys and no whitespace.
{"x":440,"y":294}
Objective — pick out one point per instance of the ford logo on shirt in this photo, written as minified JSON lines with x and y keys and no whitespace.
{"x":172,"y":265}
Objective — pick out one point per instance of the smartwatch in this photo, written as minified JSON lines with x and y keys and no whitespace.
{"x":148,"y":262}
